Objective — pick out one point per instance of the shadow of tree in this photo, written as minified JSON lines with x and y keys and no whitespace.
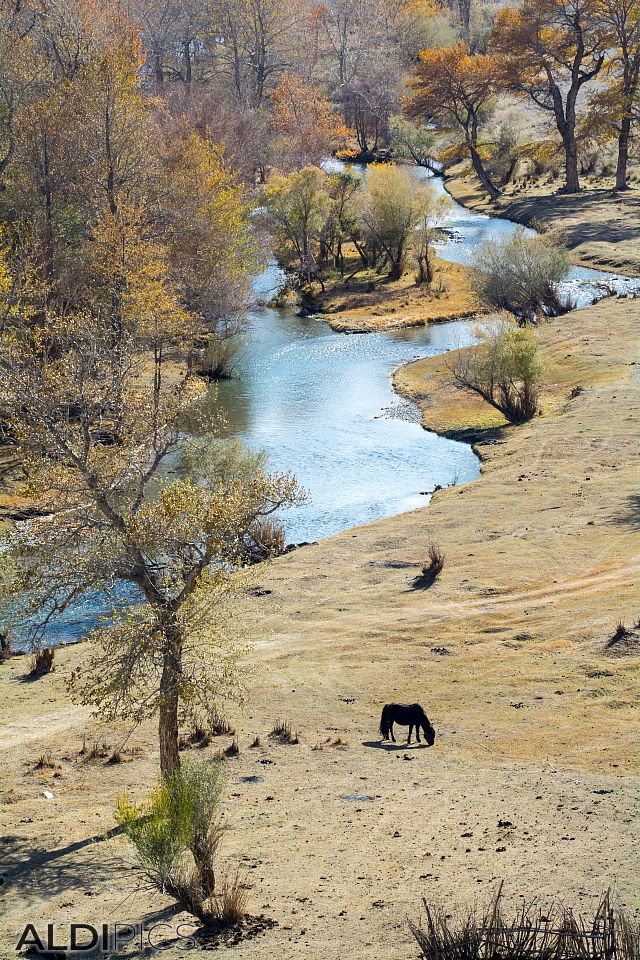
{"x":63,"y":870}
{"x":630,"y":513}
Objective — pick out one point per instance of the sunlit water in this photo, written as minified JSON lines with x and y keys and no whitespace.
{"x":321,"y":404}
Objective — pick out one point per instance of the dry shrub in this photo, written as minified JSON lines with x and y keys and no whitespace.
{"x":46,"y":762}
{"x":522,"y":275}
{"x":219,"y":357}
{"x":220,"y":726}
{"x":42,"y":662}
{"x":268,"y":540}
{"x":97,"y":751}
{"x":256,"y":742}
{"x":283,"y":732}
{"x":230,"y":902}
{"x":233,"y":750}
{"x":432,"y":567}
{"x":531,"y":934}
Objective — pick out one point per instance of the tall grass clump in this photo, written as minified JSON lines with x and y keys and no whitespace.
{"x":522,"y":274}
{"x":176,"y":834}
{"x":531,"y":933}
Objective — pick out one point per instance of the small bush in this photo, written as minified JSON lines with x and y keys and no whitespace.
{"x":256,"y":742}
{"x":97,"y":751}
{"x":219,"y":357}
{"x":176,"y":834}
{"x":233,"y":750}
{"x":230,"y":903}
{"x":283,"y":732}
{"x":522,"y":275}
{"x":432,"y":568}
{"x":42,"y":662}
{"x":220,"y":726}
{"x":46,"y":762}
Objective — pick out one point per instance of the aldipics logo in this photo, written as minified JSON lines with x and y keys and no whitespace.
{"x":108,"y":938}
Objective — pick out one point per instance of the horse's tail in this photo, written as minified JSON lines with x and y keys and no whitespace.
{"x":383,"y":729}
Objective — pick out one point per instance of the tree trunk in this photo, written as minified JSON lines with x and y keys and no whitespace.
{"x":169,"y":699}
{"x":571,"y":177}
{"x":623,"y":154}
{"x":482,"y":174}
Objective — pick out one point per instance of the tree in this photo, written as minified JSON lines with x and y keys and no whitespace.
{"x":391,"y":206}
{"x":305,"y":122}
{"x":521,"y":274}
{"x":413,"y":142}
{"x":549,"y":50}
{"x":618,"y":106}
{"x":433,"y":211}
{"x":256,"y":42}
{"x":503,"y":368}
{"x":206,"y":221}
{"x":96,"y":413}
{"x":456,"y":89}
{"x":298,"y":207}
{"x":343,"y":225}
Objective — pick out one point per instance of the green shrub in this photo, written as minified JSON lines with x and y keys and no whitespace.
{"x":176,"y":834}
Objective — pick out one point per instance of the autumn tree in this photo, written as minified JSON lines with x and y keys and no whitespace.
{"x":397,"y":216}
{"x":206,"y":223}
{"x":95,"y":427}
{"x":297,"y":209}
{"x":342,"y":225}
{"x":456,"y":89}
{"x":617,"y":106}
{"x":549,"y":51}
{"x":305,"y":123}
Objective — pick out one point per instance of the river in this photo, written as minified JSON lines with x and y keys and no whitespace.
{"x":321,"y":404}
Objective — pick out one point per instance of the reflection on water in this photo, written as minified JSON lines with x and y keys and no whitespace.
{"x":314,"y":400}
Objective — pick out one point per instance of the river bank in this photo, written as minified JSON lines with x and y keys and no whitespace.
{"x":600,"y":227}
{"x":374,"y":303}
{"x":533,"y":777}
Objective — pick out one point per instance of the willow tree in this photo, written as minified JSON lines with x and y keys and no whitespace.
{"x":95,"y":407}
{"x":456,"y":89}
{"x":549,"y":50}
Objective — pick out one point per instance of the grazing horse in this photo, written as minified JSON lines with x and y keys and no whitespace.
{"x":406,"y":714}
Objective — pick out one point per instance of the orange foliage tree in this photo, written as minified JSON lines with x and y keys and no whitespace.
{"x":549,"y":50}
{"x":455,"y":89}
{"x":306,"y":123}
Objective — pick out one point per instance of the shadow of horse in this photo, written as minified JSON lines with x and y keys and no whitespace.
{"x":390,"y":747}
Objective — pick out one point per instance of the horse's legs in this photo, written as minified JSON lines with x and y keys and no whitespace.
{"x":391,"y":732}
{"x":418,"y":733}
{"x":410,"y":732}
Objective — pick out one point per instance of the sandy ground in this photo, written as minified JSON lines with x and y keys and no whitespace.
{"x":533,"y":776}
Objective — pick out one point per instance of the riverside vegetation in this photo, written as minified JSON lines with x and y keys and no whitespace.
{"x":152,"y":157}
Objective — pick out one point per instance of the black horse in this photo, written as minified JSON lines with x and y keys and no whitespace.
{"x":406,"y":714}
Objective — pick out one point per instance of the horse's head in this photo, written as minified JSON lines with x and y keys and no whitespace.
{"x":429,"y":733}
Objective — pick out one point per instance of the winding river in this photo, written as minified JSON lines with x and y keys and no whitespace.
{"x":321,"y":404}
